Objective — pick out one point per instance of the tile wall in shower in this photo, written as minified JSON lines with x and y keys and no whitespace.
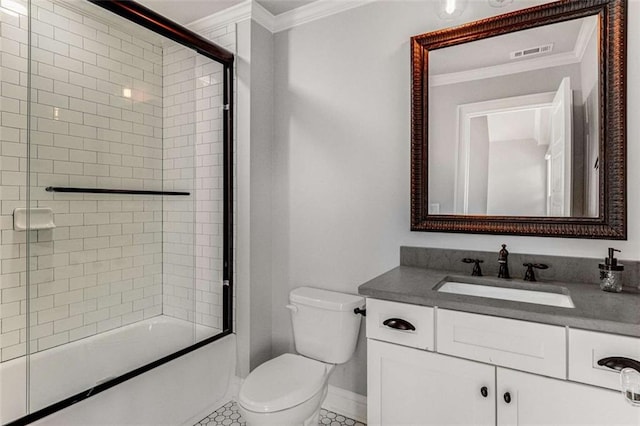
{"x":193,"y":228}
{"x":97,"y":121}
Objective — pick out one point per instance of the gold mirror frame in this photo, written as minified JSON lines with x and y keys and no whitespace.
{"x":611,"y":222}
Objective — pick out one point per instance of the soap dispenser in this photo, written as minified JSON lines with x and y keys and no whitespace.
{"x":611,"y":273}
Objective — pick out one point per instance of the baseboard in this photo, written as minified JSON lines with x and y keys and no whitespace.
{"x":347,"y":403}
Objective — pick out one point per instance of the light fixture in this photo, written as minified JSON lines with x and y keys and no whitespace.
{"x":499,"y":3}
{"x":126,"y":93}
{"x":451,"y":9}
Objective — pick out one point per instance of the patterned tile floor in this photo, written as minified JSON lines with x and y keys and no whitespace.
{"x":228,"y":415}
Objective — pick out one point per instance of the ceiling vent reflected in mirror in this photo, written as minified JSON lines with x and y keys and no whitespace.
{"x":531,"y":51}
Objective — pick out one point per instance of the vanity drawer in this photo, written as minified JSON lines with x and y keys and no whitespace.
{"x":586,"y":348}
{"x":521,"y":345}
{"x":393,"y":322}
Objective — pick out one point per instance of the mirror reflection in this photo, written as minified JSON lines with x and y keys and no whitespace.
{"x":514,"y":124}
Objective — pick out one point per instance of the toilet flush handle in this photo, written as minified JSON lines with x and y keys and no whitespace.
{"x":293,"y":308}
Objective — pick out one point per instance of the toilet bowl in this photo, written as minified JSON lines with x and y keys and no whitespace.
{"x":287,"y":390}
{"x":290,"y":389}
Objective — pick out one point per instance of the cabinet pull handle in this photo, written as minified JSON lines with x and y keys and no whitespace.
{"x":507,"y":397}
{"x":399,"y":324}
{"x":484,"y":391}
{"x":618,"y":363}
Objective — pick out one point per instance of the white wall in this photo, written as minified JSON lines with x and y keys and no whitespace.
{"x":243,"y":195}
{"x":479,"y":165}
{"x":261,"y":187}
{"x":254,"y":126}
{"x":589,"y":97}
{"x":517,"y":178}
{"x":341,"y":201}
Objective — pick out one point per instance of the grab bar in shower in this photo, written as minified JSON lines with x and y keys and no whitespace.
{"x":112,"y":191}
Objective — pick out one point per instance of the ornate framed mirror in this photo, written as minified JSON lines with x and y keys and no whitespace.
{"x":519,"y":123}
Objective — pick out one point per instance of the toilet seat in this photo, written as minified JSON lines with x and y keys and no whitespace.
{"x":282,"y":383}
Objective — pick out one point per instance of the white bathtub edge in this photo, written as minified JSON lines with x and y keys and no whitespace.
{"x":231,"y":395}
{"x":165,"y":395}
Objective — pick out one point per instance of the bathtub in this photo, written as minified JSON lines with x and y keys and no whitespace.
{"x":172,"y":394}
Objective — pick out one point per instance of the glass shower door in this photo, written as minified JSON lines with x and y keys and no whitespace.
{"x":113,"y":169}
{"x":14,"y":66}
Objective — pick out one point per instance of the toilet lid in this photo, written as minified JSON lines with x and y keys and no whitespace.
{"x":282,"y":383}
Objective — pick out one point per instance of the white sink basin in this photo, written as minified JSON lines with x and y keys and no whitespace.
{"x":508,"y":293}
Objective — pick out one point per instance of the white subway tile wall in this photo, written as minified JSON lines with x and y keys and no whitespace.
{"x":209,"y":182}
{"x":108,"y":110}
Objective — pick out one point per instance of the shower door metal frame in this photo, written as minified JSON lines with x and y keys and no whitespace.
{"x":151,"y":20}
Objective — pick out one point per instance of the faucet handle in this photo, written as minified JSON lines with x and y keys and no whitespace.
{"x":477,"y":272}
{"x":529,"y":275}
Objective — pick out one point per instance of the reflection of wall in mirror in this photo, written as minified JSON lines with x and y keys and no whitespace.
{"x":589,"y":74}
{"x":444,"y":101}
{"x":508,"y":176}
{"x":517,"y":178}
{"x":592,"y":163}
{"x":479,"y":165}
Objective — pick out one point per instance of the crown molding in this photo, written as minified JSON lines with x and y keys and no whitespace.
{"x":504,"y":69}
{"x":233,"y":14}
{"x":314,"y":11}
{"x":263,"y":17}
{"x":586,"y":31}
{"x":250,"y":9}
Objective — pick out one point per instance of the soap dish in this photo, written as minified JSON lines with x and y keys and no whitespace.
{"x":41,"y":218}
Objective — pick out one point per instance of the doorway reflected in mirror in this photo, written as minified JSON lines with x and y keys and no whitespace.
{"x":509,"y":136}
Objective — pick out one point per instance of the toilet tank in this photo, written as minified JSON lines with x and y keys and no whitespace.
{"x":325,"y":327}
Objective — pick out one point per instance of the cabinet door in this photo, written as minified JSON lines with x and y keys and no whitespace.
{"x":536,"y":400}
{"x":413,"y":387}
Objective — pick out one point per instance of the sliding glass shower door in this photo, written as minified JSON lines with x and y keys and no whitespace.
{"x":115,"y":217}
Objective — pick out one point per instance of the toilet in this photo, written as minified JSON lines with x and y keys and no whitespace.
{"x":289,"y":390}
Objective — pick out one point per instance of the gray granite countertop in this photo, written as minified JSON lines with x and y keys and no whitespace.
{"x":595,"y":310}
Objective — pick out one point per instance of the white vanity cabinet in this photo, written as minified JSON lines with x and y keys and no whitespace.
{"x":469,"y":374}
{"x":408,"y":386}
{"x":537,"y":400}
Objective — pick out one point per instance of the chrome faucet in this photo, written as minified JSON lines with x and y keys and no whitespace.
{"x":503,"y":255}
